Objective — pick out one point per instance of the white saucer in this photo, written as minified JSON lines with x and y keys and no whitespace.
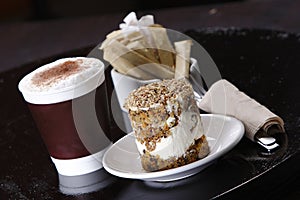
{"x":222,"y":132}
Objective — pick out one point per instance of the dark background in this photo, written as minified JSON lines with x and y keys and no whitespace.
{"x":33,"y":30}
{"x":28,"y":10}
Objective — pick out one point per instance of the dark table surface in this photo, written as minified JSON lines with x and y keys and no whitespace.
{"x":255,"y":45}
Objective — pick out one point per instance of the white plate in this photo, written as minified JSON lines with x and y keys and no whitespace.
{"x":223,"y":133}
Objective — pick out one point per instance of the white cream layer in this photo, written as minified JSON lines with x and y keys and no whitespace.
{"x":182,"y":137}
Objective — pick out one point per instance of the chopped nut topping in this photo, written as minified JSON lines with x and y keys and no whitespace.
{"x":157,"y":94}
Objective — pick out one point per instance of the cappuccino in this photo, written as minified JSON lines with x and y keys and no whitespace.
{"x":68,"y":102}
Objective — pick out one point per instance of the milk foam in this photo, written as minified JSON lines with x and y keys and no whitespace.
{"x":87,"y":76}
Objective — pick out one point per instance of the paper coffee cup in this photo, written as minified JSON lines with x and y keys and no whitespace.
{"x":68,"y":102}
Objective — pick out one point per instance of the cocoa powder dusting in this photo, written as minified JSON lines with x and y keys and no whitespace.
{"x":56,"y":73}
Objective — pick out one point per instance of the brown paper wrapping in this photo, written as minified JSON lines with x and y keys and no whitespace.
{"x":145,"y":54}
{"x":163,"y":45}
{"x":183,"y":50}
{"x":224,"y":98}
{"x":133,"y":64}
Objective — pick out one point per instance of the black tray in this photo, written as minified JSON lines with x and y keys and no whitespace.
{"x":262,"y":63}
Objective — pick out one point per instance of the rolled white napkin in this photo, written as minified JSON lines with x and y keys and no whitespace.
{"x":224,"y":98}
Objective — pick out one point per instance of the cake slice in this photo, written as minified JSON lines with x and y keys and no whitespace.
{"x":167,"y":124}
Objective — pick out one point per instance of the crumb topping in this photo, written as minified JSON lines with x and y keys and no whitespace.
{"x":157,"y":94}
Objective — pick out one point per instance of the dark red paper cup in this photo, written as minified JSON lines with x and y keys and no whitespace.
{"x":68,"y":101}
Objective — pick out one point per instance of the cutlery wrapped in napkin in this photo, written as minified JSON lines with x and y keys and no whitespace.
{"x":143,"y":50}
{"x":224,"y":98}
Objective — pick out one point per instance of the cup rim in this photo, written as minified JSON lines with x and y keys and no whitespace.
{"x":65,"y":93}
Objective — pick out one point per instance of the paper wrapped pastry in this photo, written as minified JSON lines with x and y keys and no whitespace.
{"x":143,"y":50}
{"x":225,"y":98}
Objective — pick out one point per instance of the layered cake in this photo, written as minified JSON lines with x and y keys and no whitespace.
{"x":167,"y":124}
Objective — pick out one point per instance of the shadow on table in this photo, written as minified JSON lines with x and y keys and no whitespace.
{"x":212,"y":181}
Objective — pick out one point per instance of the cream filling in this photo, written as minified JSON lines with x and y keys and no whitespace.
{"x":182,"y":137}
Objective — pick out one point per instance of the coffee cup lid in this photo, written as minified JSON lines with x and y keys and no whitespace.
{"x":62,"y":80}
